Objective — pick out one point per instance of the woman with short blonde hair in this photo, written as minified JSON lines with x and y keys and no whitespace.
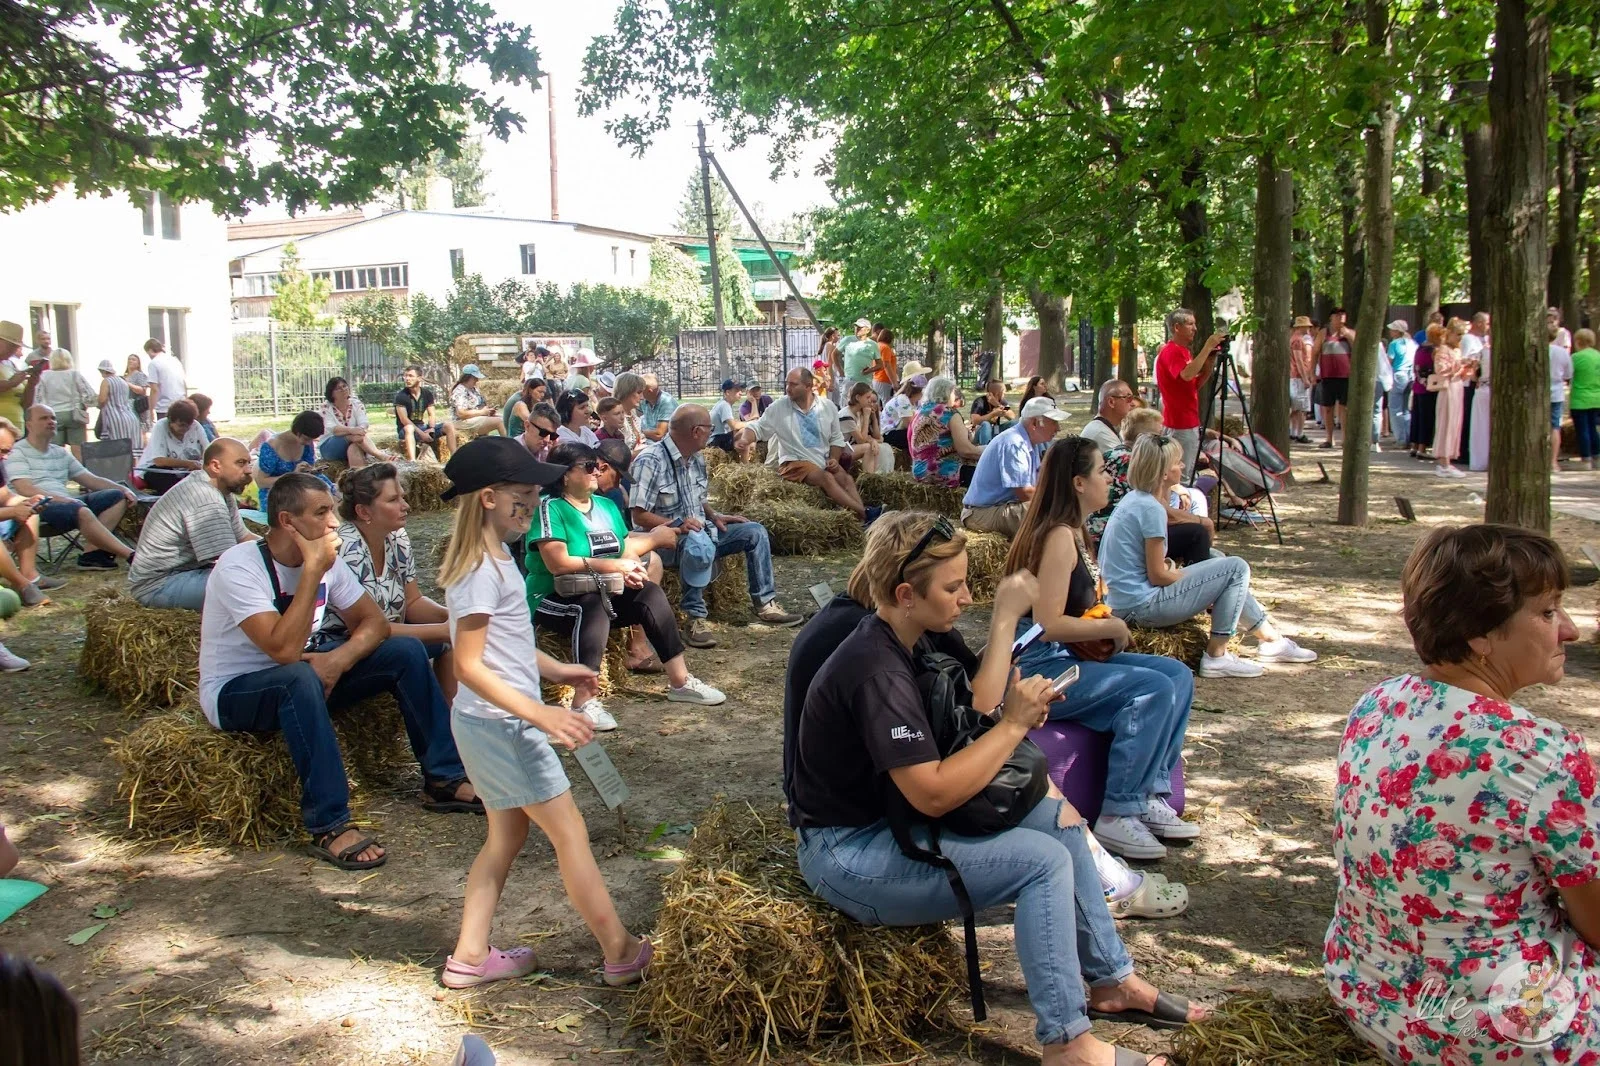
{"x":63,"y":390}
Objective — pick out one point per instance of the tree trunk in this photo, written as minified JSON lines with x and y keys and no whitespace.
{"x":936,"y":343}
{"x":1519,"y":431}
{"x":1378,"y":212}
{"x":1477,"y":153}
{"x":1269,"y":373}
{"x":1565,"y":251}
{"x":1052,"y":312}
{"x":1194,"y":231}
{"x":1127,"y":340}
{"x":1593,"y":299}
{"x":1352,"y":242}
{"x":1429,"y":286}
{"x":1304,"y":299}
{"x":1103,"y":328}
{"x":994,"y":321}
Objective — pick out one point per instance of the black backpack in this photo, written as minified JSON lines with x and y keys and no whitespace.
{"x":1016,"y":790}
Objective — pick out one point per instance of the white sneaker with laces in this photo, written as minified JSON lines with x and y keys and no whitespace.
{"x":1128,"y":837}
{"x":1283,"y":650}
{"x":696,"y":691}
{"x":1228,"y":665}
{"x":11,"y":662}
{"x":1164,"y":822}
{"x":597,"y":714}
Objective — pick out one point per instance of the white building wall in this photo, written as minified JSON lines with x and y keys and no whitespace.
{"x":92,"y":255}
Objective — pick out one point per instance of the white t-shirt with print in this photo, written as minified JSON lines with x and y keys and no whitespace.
{"x":496,"y":589}
{"x":239,"y":588}
{"x":897,"y":412}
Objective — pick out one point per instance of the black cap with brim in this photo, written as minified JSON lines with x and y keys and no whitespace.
{"x":617,"y":457}
{"x":488,"y":461}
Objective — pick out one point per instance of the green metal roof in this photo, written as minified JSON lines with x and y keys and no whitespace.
{"x":756,"y":261}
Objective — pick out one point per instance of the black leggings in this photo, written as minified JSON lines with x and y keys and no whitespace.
{"x":584,"y":619}
{"x":1188,"y":542}
{"x":896,"y":438}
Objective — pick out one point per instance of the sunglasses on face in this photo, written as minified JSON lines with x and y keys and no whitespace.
{"x":942,"y":529}
{"x":544,"y":434}
{"x":588,"y":466}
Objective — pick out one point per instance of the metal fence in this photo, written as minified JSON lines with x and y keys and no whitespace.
{"x":283,"y":371}
{"x":755,"y":353}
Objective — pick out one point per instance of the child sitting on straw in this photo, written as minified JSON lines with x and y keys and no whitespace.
{"x":502,"y":729}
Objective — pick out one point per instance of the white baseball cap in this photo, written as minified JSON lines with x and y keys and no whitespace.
{"x":1043,"y":407}
{"x":863,"y":323}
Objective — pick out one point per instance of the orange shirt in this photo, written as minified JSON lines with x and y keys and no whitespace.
{"x":891,"y":366}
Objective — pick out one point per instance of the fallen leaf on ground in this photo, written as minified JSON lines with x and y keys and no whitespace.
{"x":82,"y":936}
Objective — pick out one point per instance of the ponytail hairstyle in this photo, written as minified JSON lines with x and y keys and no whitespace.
{"x":466,"y":551}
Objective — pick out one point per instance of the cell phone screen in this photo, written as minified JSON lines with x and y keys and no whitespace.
{"x":1021,"y":644}
{"x":1065,"y":679}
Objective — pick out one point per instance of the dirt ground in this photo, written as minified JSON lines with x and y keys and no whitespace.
{"x":237,"y":956}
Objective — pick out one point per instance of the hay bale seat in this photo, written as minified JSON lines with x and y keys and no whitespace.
{"x":423,"y":483}
{"x":737,"y":486}
{"x":727,"y":597}
{"x":145,"y":657}
{"x":1185,"y":642}
{"x":986,"y":561}
{"x":1260,"y":1029}
{"x":750,"y":965}
{"x":186,"y":783}
{"x":614,"y":672}
{"x":902,"y":492}
{"x":804,"y":529}
{"x":498,"y":390}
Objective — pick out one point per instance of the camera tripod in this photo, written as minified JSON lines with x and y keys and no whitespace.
{"x":1228,"y":371}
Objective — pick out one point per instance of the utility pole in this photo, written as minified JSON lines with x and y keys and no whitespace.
{"x":755,"y":227}
{"x":711,"y":248}
{"x":550,"y":110}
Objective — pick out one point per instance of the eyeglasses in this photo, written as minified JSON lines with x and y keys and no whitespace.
{"x":701,"y":425}
{"x":1123,"y":396}
{"x":544,"y":434}
{"x":588,"y":466}
{"x":942,"y":529}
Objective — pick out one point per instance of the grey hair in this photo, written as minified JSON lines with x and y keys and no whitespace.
{"x":1181,"y":314}
{"x":1105,"y":390}
{"x":627,"y":385}
{"x":939,"y":389}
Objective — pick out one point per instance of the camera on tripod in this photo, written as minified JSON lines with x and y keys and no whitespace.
{"x":1230,"y":308}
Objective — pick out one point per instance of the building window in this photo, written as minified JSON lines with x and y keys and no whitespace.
{"x":170,"y":222}
{"x":58,"y":320}
{"x":147,"y":208}
{"x":530,"y":262}
{"x":633,"y":262}
{"x":167,"y":326}
{"x":458,"y":263}
{"x":614,"y":268}
{"x":360,"y":279}
{"x":257,"y":285}
{"x":159,"y":205}
{"x":394,"y":277}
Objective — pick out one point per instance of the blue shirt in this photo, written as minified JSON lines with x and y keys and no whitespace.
{"x":1402,"y":351}
{"x":1136,"y":519}
{"x":1009,"y":461}
{"x":652,"y":415}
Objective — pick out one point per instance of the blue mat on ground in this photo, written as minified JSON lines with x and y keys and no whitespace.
{"x":16,"y":894}
{"x":258,"y":517}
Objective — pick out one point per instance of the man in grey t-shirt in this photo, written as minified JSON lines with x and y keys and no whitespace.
{"x":189,"y":527}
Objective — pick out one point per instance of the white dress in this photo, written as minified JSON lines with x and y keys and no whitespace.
{"x":1478,"y":446}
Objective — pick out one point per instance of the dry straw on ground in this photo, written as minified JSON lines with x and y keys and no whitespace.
{"x":142,"y":656}
{"x":750,"y":965}
{"x":1185,"y":642}
{"x":802,"y":529}
{"x":424,"y":483}
{"x":986,"y":561}
{"x":1259,"y":1029}
{"x":739,"y":485}
{"x":187,"y":783}
{"x":902,"y":492}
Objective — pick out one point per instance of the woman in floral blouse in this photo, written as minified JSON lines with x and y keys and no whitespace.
{"x":942,"y":451}
{"x":1466,"y":829}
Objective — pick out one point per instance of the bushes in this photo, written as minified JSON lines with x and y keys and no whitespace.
{"x":378,"y":394}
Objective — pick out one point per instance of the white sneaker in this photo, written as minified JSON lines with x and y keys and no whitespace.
{"x":596,"y":712}
{"x":12,"y":663}
{"x":1283,"y":650}
{"x":1228,"y":665}
{"x":1165,"y":823}
{"x":696,"y":691}
{"x":1127,"y":837}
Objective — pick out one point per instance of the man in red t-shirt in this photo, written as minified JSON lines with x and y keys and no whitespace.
{"x":1178,"y":376}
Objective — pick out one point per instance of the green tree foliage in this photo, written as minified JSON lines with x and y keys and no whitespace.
{"x":302,"y":101}
{"x":380,"y":316}
{"x":675,"y":281}
{"x":300,"y":297}
{"x":692,"y":209}
{"x":409,"y":190}
{"x":738,"y":305}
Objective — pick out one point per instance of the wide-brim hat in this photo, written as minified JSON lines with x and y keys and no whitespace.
{"x":584,"y":358}
{"x":1301,"y":322}
{"x":488,"y":461}
{"x":10,"y":332}
{"x":913,"y":368}
{"x":1400,"y":325}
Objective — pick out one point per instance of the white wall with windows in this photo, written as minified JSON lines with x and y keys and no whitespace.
{"x":412,"y":252}
{"x":108,"y":273}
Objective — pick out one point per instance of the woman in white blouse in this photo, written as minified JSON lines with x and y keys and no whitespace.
{"x":344,"y":422}
{"x":373,"y":542}
{"x":65,"y":392}
{"x":573,"y":407}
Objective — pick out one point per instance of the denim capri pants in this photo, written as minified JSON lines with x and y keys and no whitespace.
{"x":509,"y":761}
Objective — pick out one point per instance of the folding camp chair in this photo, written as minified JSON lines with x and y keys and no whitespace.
{"x":110,"y":459}
{"x":1245,"y":479}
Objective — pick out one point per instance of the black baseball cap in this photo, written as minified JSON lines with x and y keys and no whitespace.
{"x":731,"y":383}
{"x":487,"y":461}
{"x":617,"y":457}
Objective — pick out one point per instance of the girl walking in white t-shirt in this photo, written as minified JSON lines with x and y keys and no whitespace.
{"x":502,"y":728}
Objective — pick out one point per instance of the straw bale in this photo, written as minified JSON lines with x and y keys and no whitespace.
{"x":750,"y":965}
{"x":132,"y":522}
{"x":802,"y":529}
{"x":1185,"y":642}
{"x":332,"y":469}
{"x":902,"y":492}
{"x":496,"y":391}
{"x":986,"y":562}
{"x":187,"y":783}
{"x":1232,"y":426}
{"x":738,"y":485}
{"x":424,"y":483}
{"x":613,"y":664}
{"x":727,"y":597}
{"x":143,"y":656}
{"x":1260,"y":1029}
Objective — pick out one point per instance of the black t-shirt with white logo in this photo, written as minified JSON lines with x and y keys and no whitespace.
{"x":863,"y":717}
{"x":415,"y":405}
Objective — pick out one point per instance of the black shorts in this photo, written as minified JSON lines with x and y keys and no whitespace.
{"x":1334,"y":391}
{"x":721,"y":440}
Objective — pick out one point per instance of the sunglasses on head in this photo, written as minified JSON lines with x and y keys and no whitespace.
{"x":942,"y":529}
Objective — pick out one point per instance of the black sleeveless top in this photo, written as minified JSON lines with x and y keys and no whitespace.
{"x":1083,"y":587}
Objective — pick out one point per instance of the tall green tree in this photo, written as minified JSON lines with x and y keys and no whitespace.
{"x":300,"y":297}
{"x":675,"y":281}
{"x":691,"y":219}
{"x":465,"y":171}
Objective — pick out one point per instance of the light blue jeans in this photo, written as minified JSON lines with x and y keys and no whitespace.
{"x":1400,"y":408}
{"x":1064,"y":932}
{"x":1219,"y":585}
{"x":694,"y":568}
{"x":1143,"y":701}
{"x":185,"y":590}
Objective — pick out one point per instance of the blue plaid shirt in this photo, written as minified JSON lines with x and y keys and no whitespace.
{"x":667,"y":484}
{"x":652,"y":415}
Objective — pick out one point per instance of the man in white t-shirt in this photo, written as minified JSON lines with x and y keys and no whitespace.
{"x":165,"y":374}
{"x":261,"y":670}
{"x":174,"y":450}
{"x":804,"y":430}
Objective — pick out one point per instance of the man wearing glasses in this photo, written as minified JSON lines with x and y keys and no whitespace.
{"x":1105,"y":428}
{"x":541,"y":431}
{"x":670,"y":487}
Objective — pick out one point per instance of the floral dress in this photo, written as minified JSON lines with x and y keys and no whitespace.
{"x":1456,"y":818}
{"x":1117,"y":464}
{"x":933,"y":449}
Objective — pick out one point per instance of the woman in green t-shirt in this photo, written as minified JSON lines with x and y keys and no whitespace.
{"x":1584,"y":396}
{"x":578,"y":530}
{"x":520,"y":404}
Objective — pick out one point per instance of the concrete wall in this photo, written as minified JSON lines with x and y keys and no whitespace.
{"x":92,"y":255}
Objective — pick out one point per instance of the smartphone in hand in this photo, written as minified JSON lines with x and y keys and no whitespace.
{"x":1029,"y":638}
{"x":1064,"y":680}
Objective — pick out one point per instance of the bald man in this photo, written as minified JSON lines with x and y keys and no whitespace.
{"x":189,"y":527}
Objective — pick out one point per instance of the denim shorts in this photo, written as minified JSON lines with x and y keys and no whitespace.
{"x":63,"y":514}
{"x":1556,"y":407}
{"x":509,"y":761}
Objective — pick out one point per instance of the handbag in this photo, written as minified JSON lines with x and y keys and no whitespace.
{"x":1101,"y":648}
{"x":1016,"y":789}
{"x":1436,"y":383}
{"x":569,"y":586}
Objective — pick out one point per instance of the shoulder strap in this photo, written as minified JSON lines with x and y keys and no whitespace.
{"x":272,"y":573}
{"x":900,"y":825}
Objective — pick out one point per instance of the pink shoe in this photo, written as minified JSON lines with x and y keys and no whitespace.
{"x":499,"y":966}
{"x":618,"y":974}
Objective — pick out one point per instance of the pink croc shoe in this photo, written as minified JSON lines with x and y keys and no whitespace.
{"x":499,"y":966}
{"x":626,"y":973}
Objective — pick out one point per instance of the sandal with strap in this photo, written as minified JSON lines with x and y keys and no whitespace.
{"x":1172,"y":1012}
{"x":1152,"y":899}
{"x":345,"y":858}
{"x":440,"y":798}
{"x":1125,"y":1057}
{"x":648,"y":665}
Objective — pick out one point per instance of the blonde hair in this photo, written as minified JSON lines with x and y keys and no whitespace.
{"x":60,"y":360}
{"x":1583,"y":338}
{"x":889,"y":541}
{"x":1139,"y":421}
{"x":466,"y":551}
{"x":1151,"y":458}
